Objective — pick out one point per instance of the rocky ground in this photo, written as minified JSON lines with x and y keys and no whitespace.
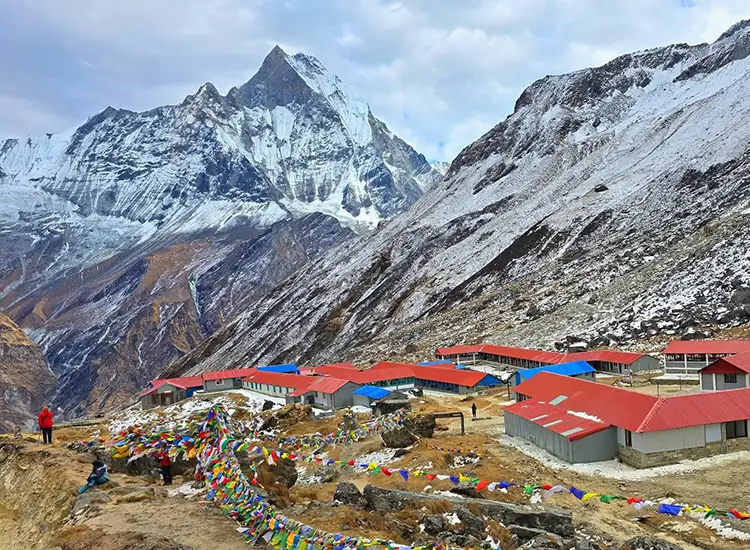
{"x":39,"y":508}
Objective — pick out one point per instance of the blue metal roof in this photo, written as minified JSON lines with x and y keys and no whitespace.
{"x":566,"y":369}
{"x":373,"y":391}
{"x":284,"y":369}
{"x":433,"y":363}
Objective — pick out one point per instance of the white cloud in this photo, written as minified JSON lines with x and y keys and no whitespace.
{"x":439,"y":73}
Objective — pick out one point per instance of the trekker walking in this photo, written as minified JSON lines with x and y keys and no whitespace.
{"x":473,"y":410}
{"x":98,"y":475}
{"x":165,"y":463}
{"x":45,"y":424}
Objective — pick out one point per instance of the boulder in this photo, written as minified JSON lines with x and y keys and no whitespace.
{"x":647,"y":542}
{"x":466,"y":489}
{"x":89,"y":499}
{"x":470,"y":524}
{"x":284,"y":471}
{"x":546,"y":541}
{"x":460,"y":540}
{"x":420,"y":424}
{"x":741,"y":296}
{"x":433,"y":524}
{"x":548,"y":518}
{"x":398,"y":438}
{"x":267,"y":405}
{"x":347,"y":493}
{"x":526,"y":534}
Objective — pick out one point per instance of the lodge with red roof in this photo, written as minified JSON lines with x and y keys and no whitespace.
{"x":688,"y":357}
{"x":728,"y":373}
{"x":619,"y":362}
{"x":327,"y":386}
{"x":582,"y":421}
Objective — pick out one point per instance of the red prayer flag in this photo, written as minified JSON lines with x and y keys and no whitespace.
{"x":482,"y":485}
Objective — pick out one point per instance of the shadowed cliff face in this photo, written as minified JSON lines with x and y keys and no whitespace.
{"x":26,"y":382}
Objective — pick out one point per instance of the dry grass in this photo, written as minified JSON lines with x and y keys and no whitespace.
{"x":438,"y":506}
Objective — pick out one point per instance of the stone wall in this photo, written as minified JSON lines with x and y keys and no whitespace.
{"x":638,"y":459}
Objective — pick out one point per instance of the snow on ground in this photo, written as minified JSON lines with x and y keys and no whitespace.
{"x":360,"y":409}
{"x":255,"y":400}
{"x":384,"y":456}
{"x":616,"y":470}
{"x":172,"y":415}
{"x":461,"y":460}
{"x":452,"y":519}
{"x":186,"y":490}
{"x":716,"y":525}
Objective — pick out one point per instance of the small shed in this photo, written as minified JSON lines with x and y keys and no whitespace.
{"x":326,"y":392}
{"x":367,"y":395}
{"x":166,"y":391}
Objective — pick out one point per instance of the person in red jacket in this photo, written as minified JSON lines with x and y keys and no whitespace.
{"x":45,"y":424}
{"x":162,"y":457}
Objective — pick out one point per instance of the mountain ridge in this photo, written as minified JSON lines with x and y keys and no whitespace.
{"x":606,"y":208}
{"x":128,"y":240}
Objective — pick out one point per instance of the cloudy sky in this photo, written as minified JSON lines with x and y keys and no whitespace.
{"x":438,"y":72}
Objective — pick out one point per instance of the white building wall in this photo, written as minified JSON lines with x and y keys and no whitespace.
{"x":669,"y":440}
{"x":713,"y":433}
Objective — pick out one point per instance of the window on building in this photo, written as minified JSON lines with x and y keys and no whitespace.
{"x":628,"y":438}
{"x":730,"y":378}
{"x":736,"y":429}
{"x":220,"y":382}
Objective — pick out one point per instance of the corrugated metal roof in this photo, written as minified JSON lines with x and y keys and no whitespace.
{"x":366,"y":376}
{"x":565,"y":369}
{"x":290,"y":368}
{"x":729,"y":365}
{"x":382,"y":365}
{"x":226,"y":374}
{"x":610,"y":356}
{"x":184,"y":383}
{"x":466,"y":378}
{"x":707,"y":346}
{"x":548,"y":357}
{"x":635,"y":411}
{"x":459,"y":350}
{"x":322,"y":384}
{"x":442,"y":363}
{"x":559,"y":420}
{"x":373,"y":392}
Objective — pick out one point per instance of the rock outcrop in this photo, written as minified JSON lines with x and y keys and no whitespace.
{"x":26,"y":381}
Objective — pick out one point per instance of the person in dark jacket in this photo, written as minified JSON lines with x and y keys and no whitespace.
{"x":98,"y":475}
{"x":45,"y":424}
{"x":165,"y":463}
{"x":473,"y":410}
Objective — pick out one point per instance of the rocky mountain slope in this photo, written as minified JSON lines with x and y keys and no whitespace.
{"x":125,"y":242}
{"x":610,"y":206}
{"x":26,"y":381}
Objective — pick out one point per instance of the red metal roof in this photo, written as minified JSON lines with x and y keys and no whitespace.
{"x":279,"y":379}
{"x":226,"y":374}
{"x":366,"y":376}
{"x":679,"y":347}
{"x":546,"y":357}
{"x":459,"y":350}
{"x":557,"y":419}
{"x":611,"y":356}
{"x":449,"y":376}
{"x":322,"y":384}
{"x":380,"y":365}
{"x":183,"y":383}
{"x":729,"y":365}
{"x":635,"y":411}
